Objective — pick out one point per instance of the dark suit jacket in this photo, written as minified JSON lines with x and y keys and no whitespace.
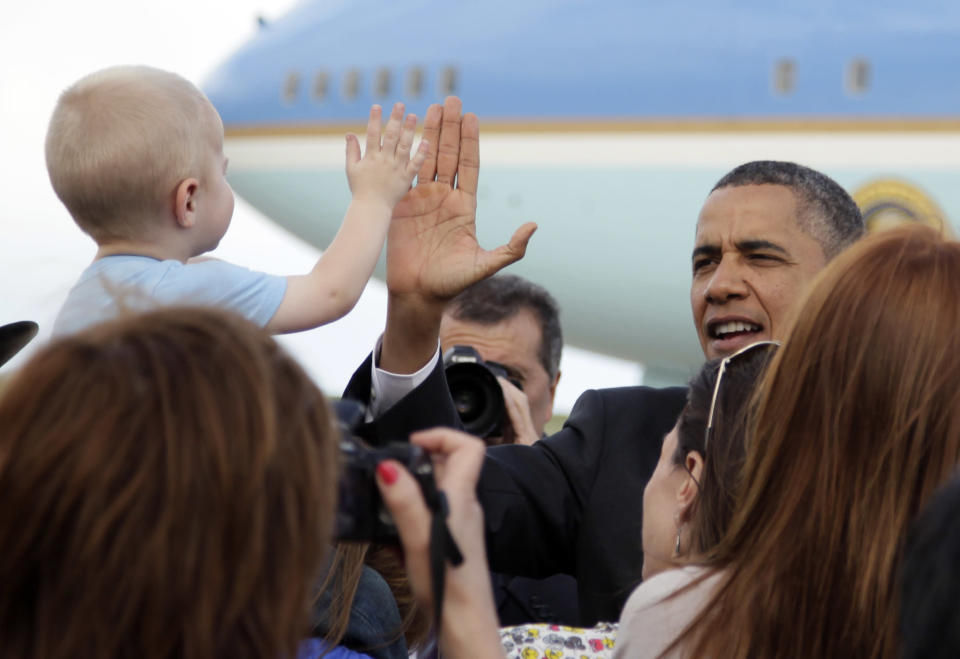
{"x":571,"y":503}
{"x":521,"y":600}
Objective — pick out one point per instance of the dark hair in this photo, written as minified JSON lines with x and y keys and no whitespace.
{"x":930,"y":580}
{"x":495,"y":299}
{"x":723,"y":458}
{"x":167,"y":483}
{"x":824,"y":209}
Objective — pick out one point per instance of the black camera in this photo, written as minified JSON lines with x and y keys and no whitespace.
{"x":361,"y":513}
{"x":476,"y":393}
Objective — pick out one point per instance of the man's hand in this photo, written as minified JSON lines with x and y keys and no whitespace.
{"x":521,"y":430}
{"x":432,"y":249}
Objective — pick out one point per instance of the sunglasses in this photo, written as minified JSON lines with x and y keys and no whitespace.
{"x":759,"y":345}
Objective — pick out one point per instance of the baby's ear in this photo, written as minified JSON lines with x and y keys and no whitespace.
{"x":690,"y":488}
{"x":185,"y":202}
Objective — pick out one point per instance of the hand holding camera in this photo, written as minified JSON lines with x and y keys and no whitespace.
{"x":468,"y":612}
{"x":361,"y":515}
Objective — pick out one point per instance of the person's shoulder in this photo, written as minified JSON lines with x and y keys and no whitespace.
{"x":635,"y":394}
{"x":104,"y":286}
{"x":207,"y":277}
{"x":374,"y":609}
{"x":634,"y":401}
{"x":661,"y":607}
{"x":126,"y":264}
{"x":659,"y":587}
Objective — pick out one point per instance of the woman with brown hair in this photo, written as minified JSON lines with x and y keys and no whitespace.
{"x":688,"y":501}
{"x":167,"y":484}
{"x":856,"y":424}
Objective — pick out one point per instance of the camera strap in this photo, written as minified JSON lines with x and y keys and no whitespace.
{"x":443,"y":549}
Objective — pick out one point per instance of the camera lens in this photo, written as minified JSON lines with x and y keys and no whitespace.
{"x":477,"y":397}
{"x":470,"y":400}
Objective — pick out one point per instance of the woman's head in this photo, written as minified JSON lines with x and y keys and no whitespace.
{"x":858,"y":421}
{"x":167,"y":484}
{"x":689,"y":498}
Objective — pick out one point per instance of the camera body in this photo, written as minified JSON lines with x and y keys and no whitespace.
{"x":476,"y":393}
{"x":361,"y":513}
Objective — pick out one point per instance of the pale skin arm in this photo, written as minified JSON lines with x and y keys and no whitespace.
{"x":469,"y":624}
{"x":378,"y":181}
{"x":432,"y":249}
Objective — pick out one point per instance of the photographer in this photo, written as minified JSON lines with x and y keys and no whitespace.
{"x":515,"y":324}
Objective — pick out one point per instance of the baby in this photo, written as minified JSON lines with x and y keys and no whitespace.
{"x":136,"y":156}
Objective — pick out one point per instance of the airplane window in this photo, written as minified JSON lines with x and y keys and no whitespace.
{"x":351,"y":84}
{"x":291,"y":86}
{"x":382,"y":87}
{"x":415,"y":82}
{"x":321,"y":83}
{"x":784,"y":76}
{"x":448,"y":81}
{"x":858,"y":76}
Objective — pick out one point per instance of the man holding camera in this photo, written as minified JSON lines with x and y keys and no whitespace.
{"x":513,"y":326}
{"x":571,"y":503}
{"x":508,"y":328}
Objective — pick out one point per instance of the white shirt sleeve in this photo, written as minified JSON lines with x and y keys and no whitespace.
{"x":386,"y":388}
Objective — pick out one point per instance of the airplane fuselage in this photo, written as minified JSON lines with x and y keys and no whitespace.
{"x":606,"y":123}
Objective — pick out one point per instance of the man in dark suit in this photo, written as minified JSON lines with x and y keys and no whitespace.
{"x":571,"y":503}
{"x":516,"y":324}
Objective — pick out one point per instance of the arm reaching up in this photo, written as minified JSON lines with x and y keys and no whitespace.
{"x":432,"y":248}
{"x":378,"y":181}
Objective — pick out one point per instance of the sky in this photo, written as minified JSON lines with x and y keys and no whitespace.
{"x":45,"y":45}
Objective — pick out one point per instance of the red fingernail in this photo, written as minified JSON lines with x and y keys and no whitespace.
{"x":388,"y":473}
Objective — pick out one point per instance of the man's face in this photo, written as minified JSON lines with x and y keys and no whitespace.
{"x":751,"y":264}
{"x":514,"y":343}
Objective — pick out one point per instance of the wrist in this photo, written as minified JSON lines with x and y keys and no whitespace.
{"x":469,"y":626}
{"x":412,"y":333}
{"x":373,"y":205}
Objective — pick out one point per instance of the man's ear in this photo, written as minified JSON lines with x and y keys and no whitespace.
{"x":185,"y":203}
{"x":553,"y":391}
{"x":690,"y":489}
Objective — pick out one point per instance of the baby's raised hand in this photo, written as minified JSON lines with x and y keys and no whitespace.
{"x":386,"y":170}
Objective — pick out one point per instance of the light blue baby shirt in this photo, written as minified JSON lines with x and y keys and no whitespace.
{"x":123,"y":282}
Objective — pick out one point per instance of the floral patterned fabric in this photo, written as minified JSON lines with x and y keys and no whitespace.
{"x":542,"y":641}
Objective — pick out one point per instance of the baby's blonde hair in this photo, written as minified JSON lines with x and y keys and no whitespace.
{"x":119,"y":142}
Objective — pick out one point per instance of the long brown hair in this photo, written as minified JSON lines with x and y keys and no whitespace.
{"x":167,"y":484}
{"x":858,"y":421}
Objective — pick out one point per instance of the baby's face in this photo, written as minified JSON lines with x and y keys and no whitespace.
{"x":216,"y":199}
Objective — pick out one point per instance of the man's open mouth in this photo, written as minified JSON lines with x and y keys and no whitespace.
{"x":732,"y":328}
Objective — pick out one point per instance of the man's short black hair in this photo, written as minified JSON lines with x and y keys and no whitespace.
{"x":930,"y":580}
{"x":498,"y":298}
{"x":824,"y":209}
